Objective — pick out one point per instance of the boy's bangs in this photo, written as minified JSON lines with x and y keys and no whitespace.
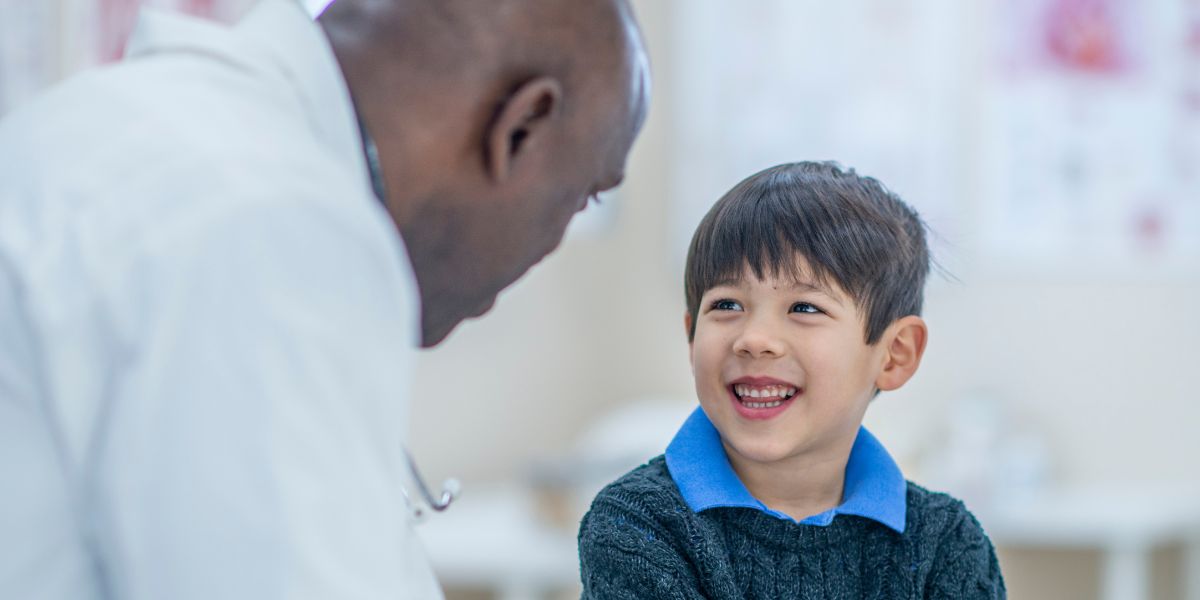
{"x":752,"y":236}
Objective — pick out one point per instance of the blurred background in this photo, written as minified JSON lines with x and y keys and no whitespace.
{"x":1052,"y":145}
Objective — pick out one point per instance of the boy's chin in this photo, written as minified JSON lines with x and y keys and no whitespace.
{"x":762,"y":451}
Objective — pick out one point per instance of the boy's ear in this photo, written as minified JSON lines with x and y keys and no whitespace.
{"x":904,"y":345}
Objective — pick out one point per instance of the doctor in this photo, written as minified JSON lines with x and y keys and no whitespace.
{"x":217,"y":257}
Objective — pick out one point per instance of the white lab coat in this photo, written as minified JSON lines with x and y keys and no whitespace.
{"x":206,"y":328}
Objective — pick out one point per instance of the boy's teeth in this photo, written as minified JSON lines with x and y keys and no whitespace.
{"x":772,"y":391}
{"x":763,"y":404}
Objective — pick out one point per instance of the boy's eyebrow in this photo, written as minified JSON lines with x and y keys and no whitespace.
{"x":806,"y":286}
{"x":797,"y":285}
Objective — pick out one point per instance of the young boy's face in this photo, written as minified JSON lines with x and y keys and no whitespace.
{"x":782,"y":367}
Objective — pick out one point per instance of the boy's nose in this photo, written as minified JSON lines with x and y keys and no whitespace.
{"x":759,"y":340}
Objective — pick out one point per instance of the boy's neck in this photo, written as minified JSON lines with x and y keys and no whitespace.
{"x":799,"y":486}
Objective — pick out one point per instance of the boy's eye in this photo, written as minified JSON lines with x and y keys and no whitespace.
{"x":804,"y":307}
{"x":726,"y":305}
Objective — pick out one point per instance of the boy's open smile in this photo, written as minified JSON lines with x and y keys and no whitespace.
{"x":762,"y":398}
{"x":782,"y":367}
{"x":784,"y":372}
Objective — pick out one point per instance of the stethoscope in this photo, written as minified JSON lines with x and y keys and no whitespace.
{"x":451,"y":488}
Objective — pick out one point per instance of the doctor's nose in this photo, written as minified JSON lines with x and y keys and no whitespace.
{"x":759,"y":340}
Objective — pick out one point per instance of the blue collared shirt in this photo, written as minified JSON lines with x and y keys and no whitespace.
{"x":874,"y":487}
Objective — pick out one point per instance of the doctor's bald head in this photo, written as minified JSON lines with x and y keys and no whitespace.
{"x":495,"y":121}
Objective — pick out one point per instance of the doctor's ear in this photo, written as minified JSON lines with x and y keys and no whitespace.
{"x":903,"y":345}
{"x":520,"y":123}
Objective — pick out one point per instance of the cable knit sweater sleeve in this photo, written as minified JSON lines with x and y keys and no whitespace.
{"x":966,"y":568}
{"x":626,"y":555}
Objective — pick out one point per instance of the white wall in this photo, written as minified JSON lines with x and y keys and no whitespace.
{"x":1103,"y":368}
{"x":1101,"y":364}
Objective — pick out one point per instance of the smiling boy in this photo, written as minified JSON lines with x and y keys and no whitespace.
{"x":804,"y":288}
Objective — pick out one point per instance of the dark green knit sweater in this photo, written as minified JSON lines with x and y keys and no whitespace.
{"x":640,"y":540}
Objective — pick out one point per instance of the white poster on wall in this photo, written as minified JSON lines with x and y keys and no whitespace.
{"x":1035,"y":136}
{"x":1091,"y":143}
{"x":867,"y":83}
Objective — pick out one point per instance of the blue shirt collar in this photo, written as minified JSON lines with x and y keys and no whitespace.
{"x":874,"y":487}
